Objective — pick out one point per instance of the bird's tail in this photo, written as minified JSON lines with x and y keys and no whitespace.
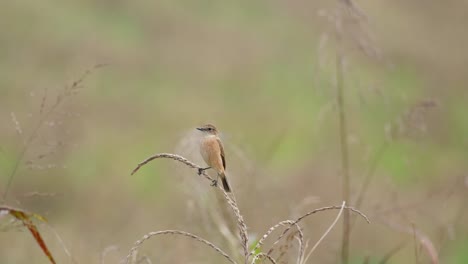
{"x":225,"y":183}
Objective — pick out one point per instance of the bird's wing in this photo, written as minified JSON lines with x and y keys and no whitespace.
{"x":222,"y":152}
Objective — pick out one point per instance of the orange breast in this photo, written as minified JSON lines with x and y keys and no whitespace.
{"x":211,"y":153}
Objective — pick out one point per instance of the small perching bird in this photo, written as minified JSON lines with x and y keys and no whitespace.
{"x":212,"y":151}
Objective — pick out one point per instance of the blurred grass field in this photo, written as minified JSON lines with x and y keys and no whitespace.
{"x":264,"y":73}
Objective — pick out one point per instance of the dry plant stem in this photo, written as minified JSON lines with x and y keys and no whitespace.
{"x":370,"y":174}
{"x":263,"y":255}
{"x":290,"y":223}
{"x":174,"y":157}
{"x":74,"y":85}
{"x":313,"y":212}
{"x":62,"y":243}
{"x":369,"y":177}
{"x":175,"y":232}
{"x":273,"y":228}
{"x":23,"y":151}
{"x":240,"y":223}
{"x":229,"y":198}
{"x":134,"y":257}
{"x":219,"y":216}
{"x":326,"y":233}
{"x":283,"y":250}
{"x":344,"y":153}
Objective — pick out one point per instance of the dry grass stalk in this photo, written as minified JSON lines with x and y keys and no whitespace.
{"x":264,"y":256}
{"x":68,"y":91}
{"x":174,"y":157}
{"x":229,"y":197}
{"x":370,"y":173}
{"x":325,"y":234}
{"x":290,"y":223}
{"x":352,"y":209}
{"x":349,"y":25}
{"x":313,"y":212}
{"x":138,"y":243}
{"x":134,"y":257}
{"x":221,"y":217}
{"x":240,"y":223}
{"x":283,"y":250}
{"x":343,"y":134}
{"x":61,"y":242}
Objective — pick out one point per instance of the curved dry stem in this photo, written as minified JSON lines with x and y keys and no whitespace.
{"x":61,"y":242}
{"x":336,"y":208}
{"x":325,"y":234}
{"x":174,"y":157}
{"x":229,"y":197}
{"x":263,"y":255}
{"x":273,"y":228}
{"x":175,"y":232}
{"x":231,"y":200}
{"x":313,"y":212}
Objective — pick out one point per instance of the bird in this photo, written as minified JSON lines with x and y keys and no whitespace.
{"x":212,"y":151}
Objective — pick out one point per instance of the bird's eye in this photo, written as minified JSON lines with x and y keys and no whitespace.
{"x":209,"y":129}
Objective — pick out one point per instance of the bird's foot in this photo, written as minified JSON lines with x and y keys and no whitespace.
{"x":201,"y":170}
{"x":214,"y":183}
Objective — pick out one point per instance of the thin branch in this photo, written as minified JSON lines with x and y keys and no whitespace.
{"x":175,"y":232}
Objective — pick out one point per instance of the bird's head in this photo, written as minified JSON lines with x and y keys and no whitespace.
{"x":208,"y":129}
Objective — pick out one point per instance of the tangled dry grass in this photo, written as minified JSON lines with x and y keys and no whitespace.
{"x":256,"y":253}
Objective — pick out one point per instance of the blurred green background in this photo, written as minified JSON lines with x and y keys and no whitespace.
{"x":264,"y":72}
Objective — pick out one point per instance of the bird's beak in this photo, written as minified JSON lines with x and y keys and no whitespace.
{"x":199,"y":128}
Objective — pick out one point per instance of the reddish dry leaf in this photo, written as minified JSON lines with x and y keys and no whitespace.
{"x":25,"y":218}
